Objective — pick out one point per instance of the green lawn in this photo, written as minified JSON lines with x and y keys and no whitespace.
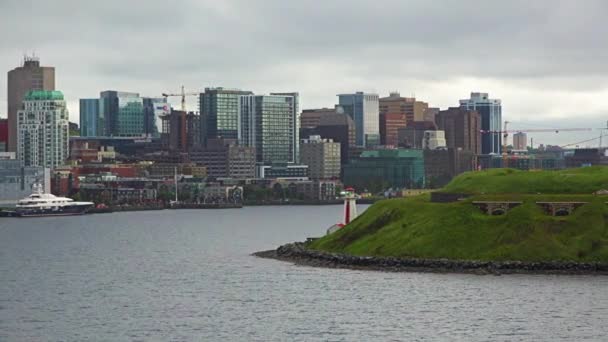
{"x":415,"y":227}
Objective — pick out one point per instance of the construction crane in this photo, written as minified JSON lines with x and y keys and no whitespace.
{"x":183,"y":94}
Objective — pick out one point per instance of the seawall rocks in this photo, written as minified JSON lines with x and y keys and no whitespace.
{"x":298,"y":253}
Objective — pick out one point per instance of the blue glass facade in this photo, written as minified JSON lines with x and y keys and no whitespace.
{"x":364,"y":109}
{"x":490,"y":111}
{"x":122,"y":114}
{"x":89,"y":118}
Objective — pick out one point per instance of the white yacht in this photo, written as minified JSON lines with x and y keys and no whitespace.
{"x":41,"y":204}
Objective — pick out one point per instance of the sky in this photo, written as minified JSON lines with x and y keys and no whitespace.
{"x":546,"y":60}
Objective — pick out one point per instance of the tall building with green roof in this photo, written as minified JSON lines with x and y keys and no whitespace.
{"x":43,"y":129}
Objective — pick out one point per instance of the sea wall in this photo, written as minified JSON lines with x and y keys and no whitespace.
{"x":299,"y":254}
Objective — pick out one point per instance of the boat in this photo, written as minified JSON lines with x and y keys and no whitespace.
{"x":42,"y":204}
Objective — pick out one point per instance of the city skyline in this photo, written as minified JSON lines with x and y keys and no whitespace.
{"x":546,"y":70}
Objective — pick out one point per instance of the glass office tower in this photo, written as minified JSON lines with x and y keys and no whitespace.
{"x":364,"y":109}
{"x":269,"y":123}
{"x":490,"y":111}
{"x":89,"y":118}
{"x":219,"y":109}
{"x":122,"y":114}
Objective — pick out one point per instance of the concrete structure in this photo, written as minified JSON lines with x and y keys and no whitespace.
{"x":3,"y":135}
{"x":412,"y":109}
{"x":226,"y":159}
{"x":29,"y":76}
{"x":364,"y":109}
{"x":16,"y":181}
{"x":433,"y":140}
{"x":382,"y":169}
{"x":270,"y":123}
{"x":220,"y":115}
{"x":440,"y":166}
{"x":121,"y":114}
{"x":180,"y":131}
{"x":412,"y":135}
{"x":520,"y":141}
{"x":490,"y":111}
{"x":336,"y":126}
{"x":430,"y":114}
{"x":322,"y":157}
{"x":89,"y":118}
{"x":43,"y":136}
{"x":462,"y":128}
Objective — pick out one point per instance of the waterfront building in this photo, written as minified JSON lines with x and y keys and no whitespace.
{"x":17,"y":181}
{"x":490,"y":111}
{"x":270,"y":124}
{"x":29,"y":76}
{"x":462,"y":128}
{"x":364,"y":109}
{"x":378,"y":170}
{"x":43,"y":137}
{"x":3,"y":135}
{"x":121,"y":114}
{"x":226,"y":159}
{"x":219,"y":110}
{"x":520,"y":141}
{"x":413,"y":135}
{"x":154,"y":109}
{"x":395,"y":104}
{"x":180,"y":131}
{"x":322,"y":157}
{"x":89,"y":118}
{"x":284,"y":170}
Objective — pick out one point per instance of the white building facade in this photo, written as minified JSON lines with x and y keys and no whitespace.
{"x":43,"y":129}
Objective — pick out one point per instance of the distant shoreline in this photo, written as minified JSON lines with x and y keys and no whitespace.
{"x":298,"y":254}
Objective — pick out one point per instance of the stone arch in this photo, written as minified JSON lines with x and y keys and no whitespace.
{"x":498,"y":212}
{"x":562,"y":211}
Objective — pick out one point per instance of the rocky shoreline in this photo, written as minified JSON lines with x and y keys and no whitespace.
{"x":300,"y":255}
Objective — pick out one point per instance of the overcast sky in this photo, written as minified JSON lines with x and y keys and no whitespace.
{"x":546,"y":60}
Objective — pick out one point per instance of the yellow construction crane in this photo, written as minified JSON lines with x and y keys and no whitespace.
{"x":183,"y":94}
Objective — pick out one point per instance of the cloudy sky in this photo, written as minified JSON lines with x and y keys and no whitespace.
{"x":546,"y":60}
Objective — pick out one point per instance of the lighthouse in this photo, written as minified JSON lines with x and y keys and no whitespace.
{"x":350,"y":205}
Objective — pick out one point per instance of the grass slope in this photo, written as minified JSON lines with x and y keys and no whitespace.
{"x":493,"y":181}
{"x":415,"y":227}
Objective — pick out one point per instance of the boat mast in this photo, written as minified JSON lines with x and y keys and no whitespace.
{"x":175,"y":180}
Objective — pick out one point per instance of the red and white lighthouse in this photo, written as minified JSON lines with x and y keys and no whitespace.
{"x":350,"y":205}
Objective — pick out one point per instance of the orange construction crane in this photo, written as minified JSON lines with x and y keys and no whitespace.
{"x":183,"y":94}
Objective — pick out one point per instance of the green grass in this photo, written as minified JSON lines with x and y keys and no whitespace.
{"x":415,"y":227}
{"x":494,"y":181}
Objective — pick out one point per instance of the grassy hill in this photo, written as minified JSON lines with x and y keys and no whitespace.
{"x":415,"y":227}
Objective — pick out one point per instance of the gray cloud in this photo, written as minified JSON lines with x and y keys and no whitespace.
{"x":544,"y":59}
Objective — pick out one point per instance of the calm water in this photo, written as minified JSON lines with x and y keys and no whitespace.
{"x":188,"y":276}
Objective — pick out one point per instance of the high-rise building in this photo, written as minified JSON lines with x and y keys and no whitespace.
{"x":89,"y":118}
{"x":3,"y":135}
{"x":121,"y":114}
{"x":433,"y":140}
{"x":29,"y":76}
{"x":322,"y":157}
{"x":364,"y":109}
{"x":462,"y":128}
{"x":520,"y":141}
{"x":181,"y":131}
{"x":270,"y":124}
{"x":412,"y":135}
{"x":430,"y":114}
{"x":154,"y":109}
{"x":412,"y":109}
{"x":219,"y":110}
{"x":390,"y":123}
{"x":43,"y":129}
{"x":491,"y":119}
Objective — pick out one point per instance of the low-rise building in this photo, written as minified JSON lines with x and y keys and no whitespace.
{"x":377,"y":170}
{"x":293,"y":171}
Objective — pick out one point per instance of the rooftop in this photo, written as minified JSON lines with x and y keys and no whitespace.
{"x":37,"y":95}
